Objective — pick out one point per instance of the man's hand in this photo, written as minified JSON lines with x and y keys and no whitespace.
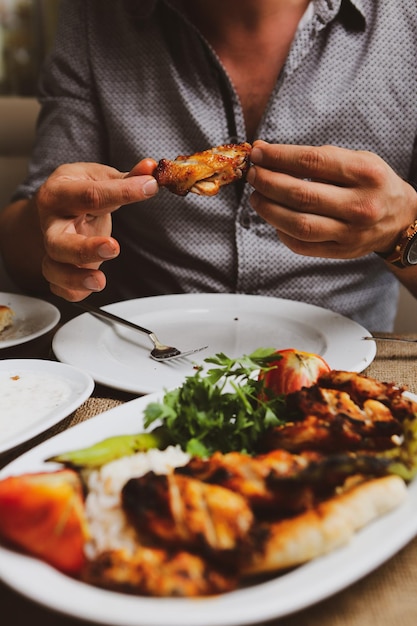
{"x":330,"y":202}
{"x":74,"y":207}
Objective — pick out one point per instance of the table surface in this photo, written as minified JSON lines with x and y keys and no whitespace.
{"x":387,"y":596}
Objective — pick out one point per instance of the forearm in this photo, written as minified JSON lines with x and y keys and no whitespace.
{"x":21,"y":245}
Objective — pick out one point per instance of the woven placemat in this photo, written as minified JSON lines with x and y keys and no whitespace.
{"x":395,"y":362}
{"x":91,"y":407}
{"x":385,"y":597}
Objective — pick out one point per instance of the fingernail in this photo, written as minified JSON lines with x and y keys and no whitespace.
{"x":251,"y":175}
{"x":150,"y":188}
{"x":106,"y":251}
{"x":256,"y":155}
{"x":91,"y":284}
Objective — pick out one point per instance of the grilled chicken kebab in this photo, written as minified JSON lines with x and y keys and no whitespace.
{"x":316,"y":480}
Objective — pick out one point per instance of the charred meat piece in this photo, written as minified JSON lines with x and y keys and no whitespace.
{"x":282,"y":482}
{"x":329,"y":420}
{"x":204,"y":172}
{"x":186,"y":512}
{"x":322,"y":402}
{"x":337,"y":434}
{"x":157,"y":572}
{"x":264,"y":481}
{"x":361,"y":388}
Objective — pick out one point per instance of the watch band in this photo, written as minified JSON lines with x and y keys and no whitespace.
{"x":398,"y":255}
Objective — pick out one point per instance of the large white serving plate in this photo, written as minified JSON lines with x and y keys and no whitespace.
{"x":233,"y":324}
{"x":33,"y":318}
{"x":276,"y":598}
{"x":36,"y":394}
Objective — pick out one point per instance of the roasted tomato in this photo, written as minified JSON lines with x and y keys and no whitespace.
{"x":293,"y":370}
{"x":43,"y":514}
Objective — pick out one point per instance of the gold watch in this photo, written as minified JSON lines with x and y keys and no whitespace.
{"x":404,"y":252}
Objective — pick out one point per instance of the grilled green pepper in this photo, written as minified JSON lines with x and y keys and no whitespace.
{"x":113,"y":448}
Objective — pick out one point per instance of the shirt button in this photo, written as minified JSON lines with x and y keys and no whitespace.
{"x":245,"y":220}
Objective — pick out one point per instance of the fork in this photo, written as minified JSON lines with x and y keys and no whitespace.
{"x":400,"y":339}
{"x":160,"y":351}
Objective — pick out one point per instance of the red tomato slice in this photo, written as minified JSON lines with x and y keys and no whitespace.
{"x":294,"y":370}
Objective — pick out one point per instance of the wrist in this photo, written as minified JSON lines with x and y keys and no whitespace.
{"x":404,"y":252}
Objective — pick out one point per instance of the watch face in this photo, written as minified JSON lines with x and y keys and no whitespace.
{"x":411,"y":252}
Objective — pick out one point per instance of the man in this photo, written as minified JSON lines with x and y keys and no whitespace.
{"x":329,"y":89}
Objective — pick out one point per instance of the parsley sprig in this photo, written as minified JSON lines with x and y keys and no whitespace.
{"x":226,"y":408}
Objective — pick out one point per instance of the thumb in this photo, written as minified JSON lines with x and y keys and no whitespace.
{"x":143,"y":168}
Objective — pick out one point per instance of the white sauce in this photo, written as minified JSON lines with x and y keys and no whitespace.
{"x":27,"y":397}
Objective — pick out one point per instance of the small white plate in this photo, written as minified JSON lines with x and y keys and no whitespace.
{"x":37,"y":394}
{"x":278,"y":597}
{"x":32,"y":318}
{"x":234,"y":324}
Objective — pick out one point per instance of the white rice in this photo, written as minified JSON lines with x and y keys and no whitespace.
{"x":109,"y":527}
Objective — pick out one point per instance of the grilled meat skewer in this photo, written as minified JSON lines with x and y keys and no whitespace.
{"x":343,"y":411}
{"x":281,"y":482}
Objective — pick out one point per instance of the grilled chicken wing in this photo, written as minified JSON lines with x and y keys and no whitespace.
{"x":183,"y":511}
{"x":204,"y":172}
{"x":343,"y":411}
{"x":157,"y":572}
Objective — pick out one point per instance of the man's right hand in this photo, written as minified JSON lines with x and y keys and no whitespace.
{"x":74,"y":206}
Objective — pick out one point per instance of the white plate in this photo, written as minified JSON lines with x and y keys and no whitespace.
{"x":33,"y":318}
{"x":35,"y":395}
{"x":234,"y":324}
{"x":278,"y":597}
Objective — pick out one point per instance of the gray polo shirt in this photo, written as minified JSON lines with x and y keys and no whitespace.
{"x":133,"y":79}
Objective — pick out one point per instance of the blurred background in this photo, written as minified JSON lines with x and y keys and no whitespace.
{"x":27,"y":29}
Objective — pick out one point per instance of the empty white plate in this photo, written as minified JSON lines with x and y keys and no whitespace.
{"x":233,"y":324}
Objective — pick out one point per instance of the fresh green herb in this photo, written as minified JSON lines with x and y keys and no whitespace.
{"x":226,"y":408}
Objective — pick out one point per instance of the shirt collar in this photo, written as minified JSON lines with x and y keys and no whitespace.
{"x":352,"y":13}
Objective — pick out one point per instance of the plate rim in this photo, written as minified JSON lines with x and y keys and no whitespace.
{"x":261,"y":602}
{"x":29,"y":300}
{"x":60,"y":412}
{"x":177,"y":302}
